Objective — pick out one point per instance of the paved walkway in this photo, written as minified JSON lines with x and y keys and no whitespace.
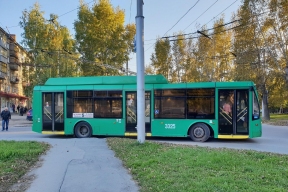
{"x":72,"y":164}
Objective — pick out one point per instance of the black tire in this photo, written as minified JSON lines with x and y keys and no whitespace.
{"x":200,"y":132}
{"x":83,"y":130}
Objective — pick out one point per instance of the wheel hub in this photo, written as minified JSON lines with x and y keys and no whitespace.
{"x":83,"y":130}
{"x":199,"y":132}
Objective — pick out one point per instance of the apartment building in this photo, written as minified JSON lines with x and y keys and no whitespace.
{"x":12,"y":85}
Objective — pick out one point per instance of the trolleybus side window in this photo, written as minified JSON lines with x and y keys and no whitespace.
{"x":108,"y":104}
{"x":104,"y":104}
{"x":79,"y":102}
{"x":170,"y":103}
{"x":200,"y":103}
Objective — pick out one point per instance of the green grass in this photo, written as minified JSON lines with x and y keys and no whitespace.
{"x":168,"y":167}
{"x":16,"y":158}
{"x":278,"y":116}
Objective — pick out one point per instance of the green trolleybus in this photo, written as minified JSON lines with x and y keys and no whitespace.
{"x":107,"y":106}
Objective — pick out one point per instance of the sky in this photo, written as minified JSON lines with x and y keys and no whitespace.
{"x":161,"y":17}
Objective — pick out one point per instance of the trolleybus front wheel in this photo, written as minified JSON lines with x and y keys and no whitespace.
{"x":83,"y":130}
{"x":199,"y":132}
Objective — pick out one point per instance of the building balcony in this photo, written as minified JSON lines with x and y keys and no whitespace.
{"x":14,"y":53}
{"x":3,"y":59}
{"x":14,"y":80}
{"x":14,"y":67}
{"x":13,"y":47}
{"x":14,"y":64}
{"x":3,"y":75}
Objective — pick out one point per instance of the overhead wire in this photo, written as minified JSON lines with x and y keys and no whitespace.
{"x":177,"y":22}
{"x":220,"y":13}
{"x":201,"y":15}
{"x":182,"y":16}
{"x":62,"y":14}
{"x":204,"y":30}
{"x":75,"y":9}
{"x":208,"y":21}
{"x":254,"y":15}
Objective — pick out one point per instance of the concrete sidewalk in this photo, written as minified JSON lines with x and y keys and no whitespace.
{"x":19,"y":121}
{"x":71,"y":164}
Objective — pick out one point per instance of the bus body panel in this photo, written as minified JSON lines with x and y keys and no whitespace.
{"x":51,"y":88}
{"x":255,"y":125}
{"x":159,"y":126}
{"x":80,"y":87}
{"x":177,"y":127}
{"x":99,"y":126}
{"x":256,"y":128}
{"x":105,"y":80}
{"x":37,"y":111}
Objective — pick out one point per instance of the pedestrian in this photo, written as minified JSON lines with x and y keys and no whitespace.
{"x":21,"y":111}
{"x":18,"y":107}
{"x":13,"y":107}
{"x":6,"y":115}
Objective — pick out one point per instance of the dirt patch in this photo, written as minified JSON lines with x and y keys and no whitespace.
{"x":14,"y":184}
{"x":26,"y":180}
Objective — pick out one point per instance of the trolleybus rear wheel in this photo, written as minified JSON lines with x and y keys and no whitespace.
{"x":199,"y":132}
{"x":83,"y":130}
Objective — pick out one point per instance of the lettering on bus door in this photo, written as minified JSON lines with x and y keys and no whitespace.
{"x":131,"y":111}
{"x":53,"y":111}
{"x":233,"y":112}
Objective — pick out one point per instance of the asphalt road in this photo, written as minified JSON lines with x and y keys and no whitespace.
{"x":274,"y":138}
{"x":89,"y":165}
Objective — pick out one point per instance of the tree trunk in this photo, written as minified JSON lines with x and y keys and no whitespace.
{"x":281,"y":109}
{"x":286,"y":72}
{"x":265,"y":111}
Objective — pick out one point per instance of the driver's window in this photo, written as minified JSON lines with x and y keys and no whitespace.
{"x":256,"y":108}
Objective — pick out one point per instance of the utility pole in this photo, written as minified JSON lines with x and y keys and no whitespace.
{"x":58,"y":67}
{"x":140,"y":72}
{"x":127,"y":68}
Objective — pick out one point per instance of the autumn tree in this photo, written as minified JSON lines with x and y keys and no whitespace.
{"x":103,"y":39}
{"x":178,"y":58}
{"x":278,"y":29}
{"x":203,"y":54}
{"x":221,"y":54}
{"x":50,"y":46}
{"x":161,"y":58}
{"x":252,"y":48}
{"x":191,"y":64}
{"x":277,"y":23}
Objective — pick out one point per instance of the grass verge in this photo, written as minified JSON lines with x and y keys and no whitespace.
{"x":16,"y":158}
{"x":277,"y":119}
{"x":168,"y":167}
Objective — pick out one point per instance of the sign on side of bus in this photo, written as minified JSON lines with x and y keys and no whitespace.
{"x":170,"y":126}
{"x":83,"y":115}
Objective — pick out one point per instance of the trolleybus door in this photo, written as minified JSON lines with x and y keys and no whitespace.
{"x":53,"y":111}
{"x":131,"y":111}
{"x":233,"y":112}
